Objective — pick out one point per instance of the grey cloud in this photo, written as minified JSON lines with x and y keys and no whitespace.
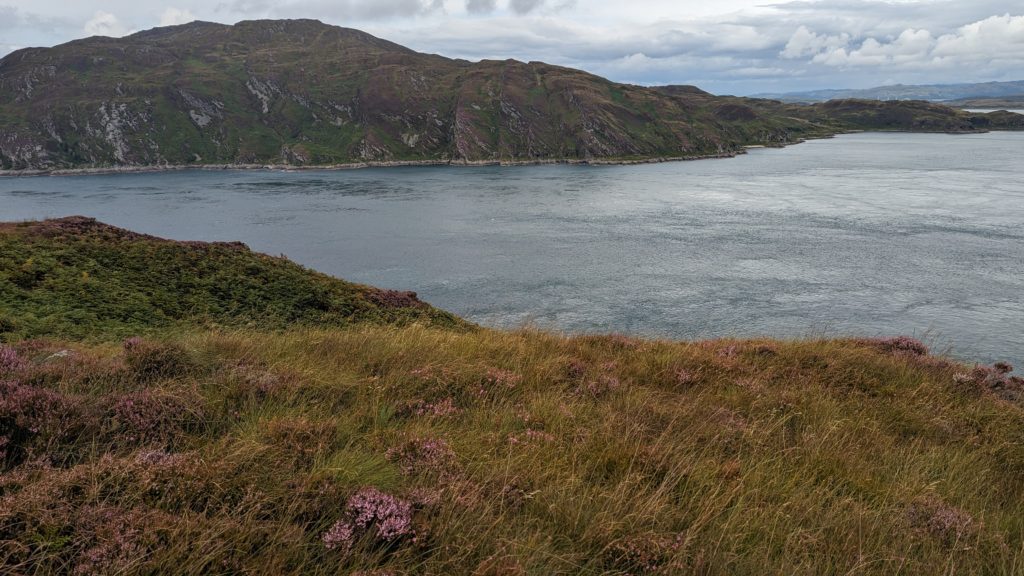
{"x":249,"y":7}
{"x":374,"y":10}
{"x":11,"y":18}
{"x":481,"y":6}
{"x":339,"y":10}
{"x":524,"y":6}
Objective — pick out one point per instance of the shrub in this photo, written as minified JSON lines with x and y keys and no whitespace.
{"x":113,"y":540}
{"x":152,"y":416}
{"x":898,"y":344}
{"x":301,"y":438}
{"x":150,"y":361}
{"x":576,"y":369}
{"x":531,"y":436}
{"x":644,"y":553}
{"x":9,"y":359}
{"x":424,"y":456}
{"x":436,"y":409}
{"x":948,"y":524}
{"x":394,"y":299}
{"x":684,"y":377}
{"x":496,"y":377}
{"x":995,"y":379}
{"x":32,"y":420}
{"x":599,"y":387}
{"x":372,"y":514}
{"x":247,"y":381}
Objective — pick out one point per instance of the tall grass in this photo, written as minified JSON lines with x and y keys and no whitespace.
{"x":512,"y":452}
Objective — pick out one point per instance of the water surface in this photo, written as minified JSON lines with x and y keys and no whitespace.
{"x":865,"y":234}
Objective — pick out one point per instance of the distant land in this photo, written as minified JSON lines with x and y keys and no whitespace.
{"x":299,"y":93}
{"x":1011,"y":102}
{"x":953,"y":94}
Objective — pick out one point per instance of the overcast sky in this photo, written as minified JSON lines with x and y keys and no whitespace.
{"x":726,"y":46}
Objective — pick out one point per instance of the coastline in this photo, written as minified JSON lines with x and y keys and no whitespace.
{"x":144,"y":169}
{"x":372,"y":164}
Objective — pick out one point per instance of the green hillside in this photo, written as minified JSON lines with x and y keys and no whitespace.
{"x":79,"y":278}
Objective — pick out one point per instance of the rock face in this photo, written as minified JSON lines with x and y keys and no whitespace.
{"x":299,"y":92}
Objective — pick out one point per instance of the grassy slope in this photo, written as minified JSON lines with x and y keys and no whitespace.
{"x":79,"y":278}
{"x":507,"y":452}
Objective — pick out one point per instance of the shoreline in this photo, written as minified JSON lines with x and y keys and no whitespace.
{"x":256,"y":167}
{"x":365,"y":165}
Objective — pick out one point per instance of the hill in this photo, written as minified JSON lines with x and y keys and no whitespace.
{"x":930,"y":92}
{"x":301,"y":93}
{"x":376,"y":447}
{"x":76,"y":277}
{"x":1011,"y":102}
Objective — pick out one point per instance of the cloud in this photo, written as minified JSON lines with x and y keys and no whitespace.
{"x":175,"y":16}
{"x":803,"y":43}
{"x":12,"y":18}
{"x":9,"y":17}
{"x":105,"y":24}
{"x":481,"y":6}
{"x":524,"y":6}
{"x":993,"y":39}
{"x":341,"y":11}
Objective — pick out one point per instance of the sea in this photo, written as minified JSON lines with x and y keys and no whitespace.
{"x":870,"y":234}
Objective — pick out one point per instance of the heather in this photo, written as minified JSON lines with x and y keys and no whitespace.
{"x":417,"y":450}
{"x":405,"y":446}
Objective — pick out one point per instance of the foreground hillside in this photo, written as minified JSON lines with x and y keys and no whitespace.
{"x":301,"y":93}
{"x":80,"y":278}
{"x":382,"y":448}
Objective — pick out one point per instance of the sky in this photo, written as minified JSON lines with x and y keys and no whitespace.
{"x":724,"y":46}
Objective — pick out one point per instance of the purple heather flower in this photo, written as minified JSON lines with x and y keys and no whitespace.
{"x":370,"y":512}
{"x":9,"y":360}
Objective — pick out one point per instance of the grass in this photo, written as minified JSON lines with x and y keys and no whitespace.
{"x":79,"y":278}
{"x":377,"y":447}
{"x":552,"y":455}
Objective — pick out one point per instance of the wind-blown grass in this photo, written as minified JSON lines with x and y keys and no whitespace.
{"x":296,"y":452}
